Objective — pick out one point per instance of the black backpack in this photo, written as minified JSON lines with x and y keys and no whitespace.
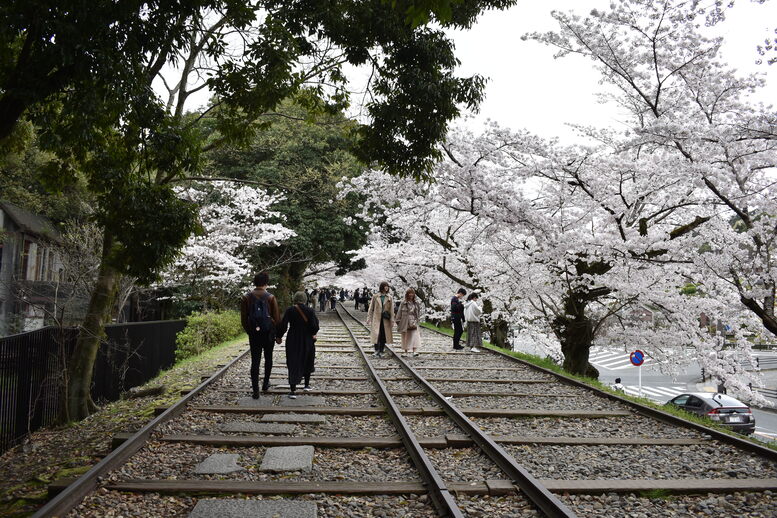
{"x":259,"y":313}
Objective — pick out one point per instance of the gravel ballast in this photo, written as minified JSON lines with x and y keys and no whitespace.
{"x":714,"y":460}
{"x":627,"y":426}
{"x":464,"y":465}
{"x":177,"y":461}
{"x":112,"y":504}
{"x":629,"y":505}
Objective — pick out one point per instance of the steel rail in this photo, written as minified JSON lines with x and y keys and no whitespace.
{"x":530,"y":486}
{"x":440,"y":494}
{"x":69,"y":498}
{"x":654,"y":413}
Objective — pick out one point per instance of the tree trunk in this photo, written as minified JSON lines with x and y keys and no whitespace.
{"x":497,"y":329}
{"x":575,"y":332}
{"x":81,"y":366}
{"x":289,"y":280}
{"x":11,"y":110}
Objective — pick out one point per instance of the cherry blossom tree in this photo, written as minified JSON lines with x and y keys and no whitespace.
{"x":684,"y":101}
{"x":213,"y":267}
{"x":671,"y":218}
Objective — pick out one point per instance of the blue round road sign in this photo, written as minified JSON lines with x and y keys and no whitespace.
{"x":637,"y":358}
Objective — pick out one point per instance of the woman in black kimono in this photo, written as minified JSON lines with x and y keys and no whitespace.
{"x":302,"y":325}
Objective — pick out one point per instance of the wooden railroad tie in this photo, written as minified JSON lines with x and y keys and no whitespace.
{"x":483,"y":487}
{"x":424,"y":411}
{"x":349,"y":392}
{"x":447,"y":441}
{"x":486,"y":487}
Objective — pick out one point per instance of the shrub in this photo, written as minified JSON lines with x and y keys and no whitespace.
{"x":204,"y":331}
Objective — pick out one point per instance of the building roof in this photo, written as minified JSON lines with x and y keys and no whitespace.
{"x":29,"y":222}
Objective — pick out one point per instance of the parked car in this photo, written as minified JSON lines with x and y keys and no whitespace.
{"x":724,"y":410}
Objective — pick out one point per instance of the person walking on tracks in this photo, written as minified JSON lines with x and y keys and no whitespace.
{"x":322,"y":298}
{"x":380,"y":317}
{"x":457,"y":318}
{"x":472,"y":312}
{"x":302,"y":324}
{"x":408,"y":322}
{"x":259,"y":315}
{"x":333,"y":299}
{"x":357,"y":298}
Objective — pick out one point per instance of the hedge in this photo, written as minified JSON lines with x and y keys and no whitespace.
{"x":204,"y":331}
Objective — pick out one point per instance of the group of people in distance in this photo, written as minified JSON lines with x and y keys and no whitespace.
{"x":381,"y":318}
{"x":326,"y":298}
{"x":262,"y":321}
{"x":409,"y":313}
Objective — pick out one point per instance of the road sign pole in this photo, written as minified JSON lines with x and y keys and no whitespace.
{"x":637,"y":358}
{"x":640,"y":380}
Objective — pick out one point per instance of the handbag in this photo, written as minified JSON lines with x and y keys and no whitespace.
{"x":385,"y":315}
{"x":304,"y":317}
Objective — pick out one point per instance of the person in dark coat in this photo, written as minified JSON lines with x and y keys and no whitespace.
{"x":259,"y":340}
{"x":457,"y":318}
{"x":323,"y":296}
{"x":357,"y":297}
{"x":333,"y":299}
{"x":302,"y":324}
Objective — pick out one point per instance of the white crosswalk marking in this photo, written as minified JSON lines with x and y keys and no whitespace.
{"x":611,"y":359}
{"x":662,"y":394}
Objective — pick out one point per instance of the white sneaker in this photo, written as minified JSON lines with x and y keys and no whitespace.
{"x":292,"y":396}
{"x":307,"y":389}
{"x":474,"y":350}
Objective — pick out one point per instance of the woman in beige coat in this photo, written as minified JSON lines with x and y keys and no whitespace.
{"x":380,"y":318}
{"x":408,"y":322}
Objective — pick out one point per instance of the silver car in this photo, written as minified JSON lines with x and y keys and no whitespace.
{"x":724,"y":410}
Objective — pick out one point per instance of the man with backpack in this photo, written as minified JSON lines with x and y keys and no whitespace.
{"x":259,"y":315}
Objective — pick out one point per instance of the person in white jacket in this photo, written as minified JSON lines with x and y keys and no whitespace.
{"x":472,"y":312}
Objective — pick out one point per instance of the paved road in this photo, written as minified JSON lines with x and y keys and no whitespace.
{"x":659,"y":387}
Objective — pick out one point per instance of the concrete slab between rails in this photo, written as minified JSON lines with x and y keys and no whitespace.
{"x":483,"y":487}
{"x":715,"y":485}
{"x":254,"y":427}
{"x":226,"y":508}
{"x":219,"y":464}
{"x":319,"y":442}
{"x":303,"y":399}
{"x":278,"y":459}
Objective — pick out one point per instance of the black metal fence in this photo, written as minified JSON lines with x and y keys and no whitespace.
{"x":32,"y":370}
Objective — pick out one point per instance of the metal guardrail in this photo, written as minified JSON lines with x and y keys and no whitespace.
{"x":32,"y":368}
{"x":550,"y":505}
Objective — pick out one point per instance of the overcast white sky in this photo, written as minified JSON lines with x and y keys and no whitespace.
{"x":527,"y":88}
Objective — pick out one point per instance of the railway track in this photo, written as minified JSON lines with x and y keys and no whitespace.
{"x":442,"y":434}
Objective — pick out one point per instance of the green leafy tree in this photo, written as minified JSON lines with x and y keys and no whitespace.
{"x":303,"y":160}
{"x":84,"y":74}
